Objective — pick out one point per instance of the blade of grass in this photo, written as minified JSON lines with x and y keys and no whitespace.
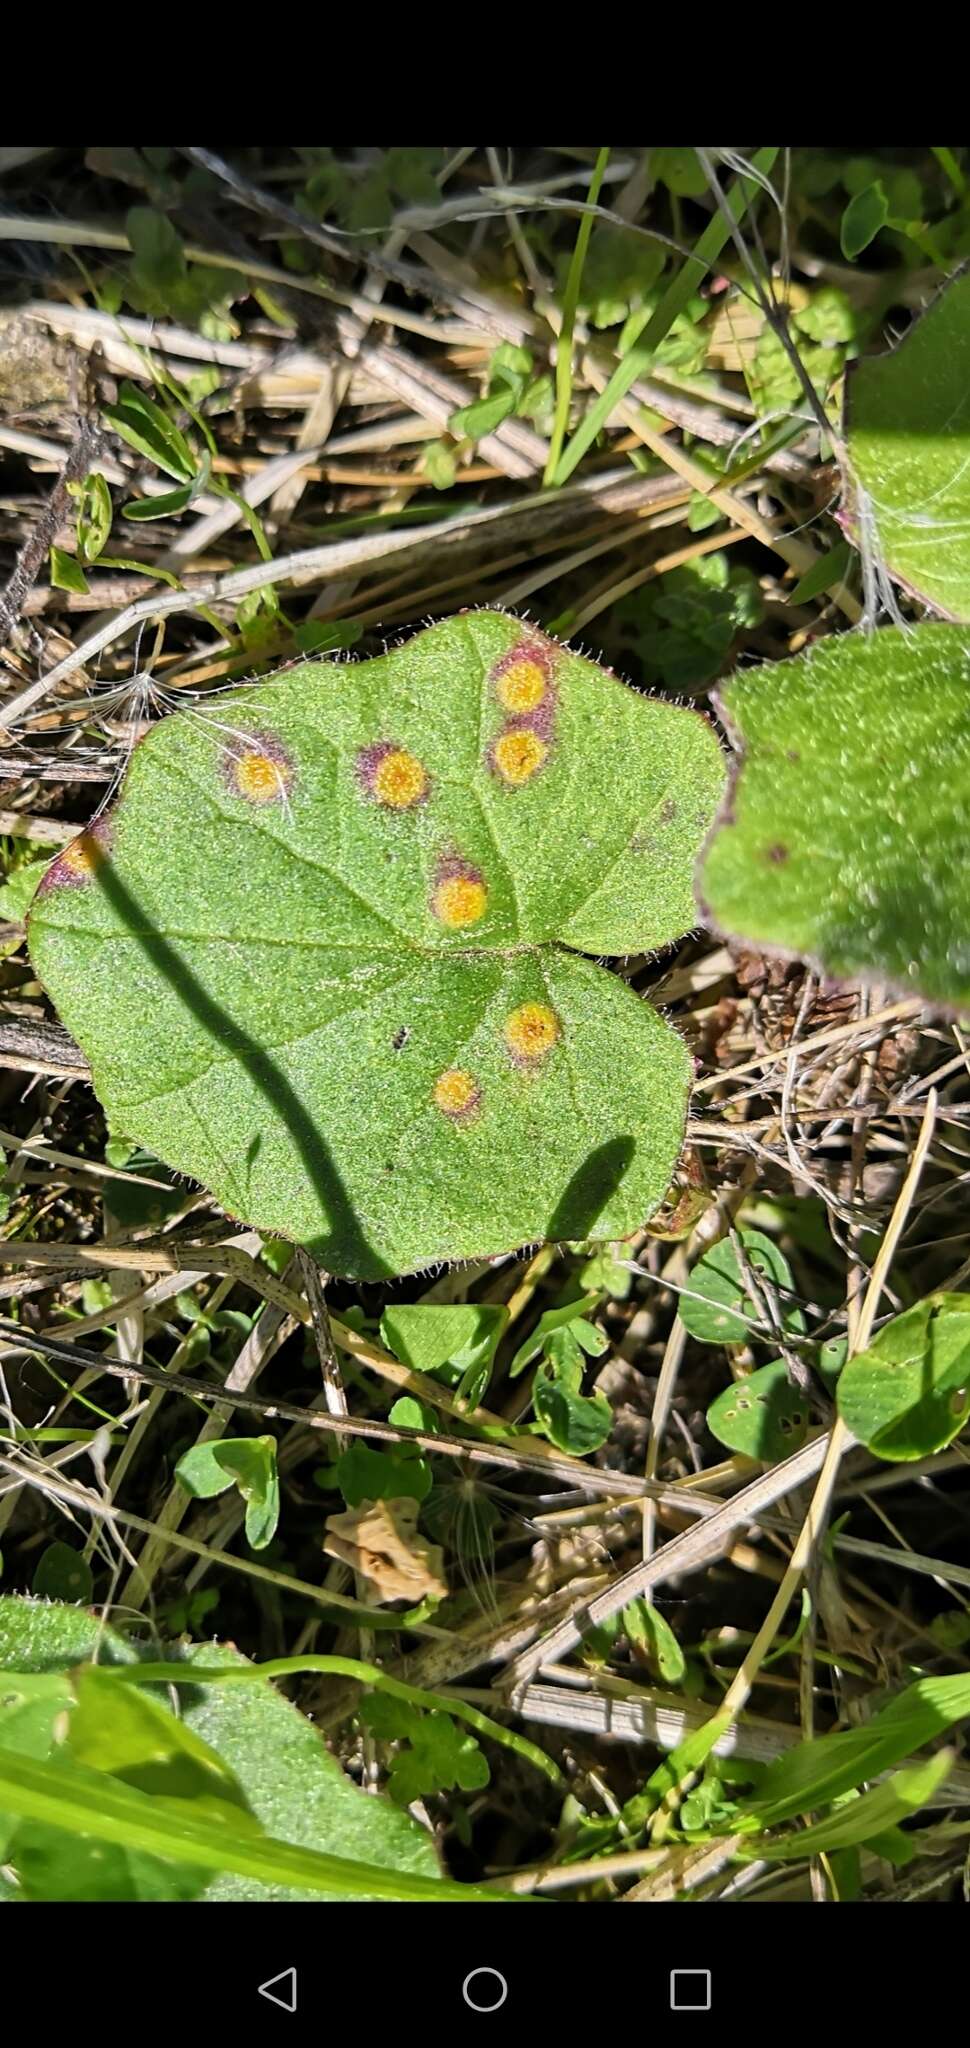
{"x":564,"y":346}
{"x":92,"y":1803}
{"x":639,"y":359}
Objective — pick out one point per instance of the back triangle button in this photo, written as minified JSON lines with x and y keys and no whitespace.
{"x":281,"y":1990}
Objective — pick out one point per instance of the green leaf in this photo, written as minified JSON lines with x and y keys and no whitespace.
{"x":94,"y":515}
{"x":17,"y":892}
{"x":156,"y":249}
{"x":762,"y":1416}
{"x":252,"y":1462}
{"x":289,"y":1779}
{"x":645,"y":1627}
{"x":88,"y":1803}
{"x":201,"y":1473}
{"x":823,"y":575}
{"x":718,"y":1309}
{"x":816,"y":1773}
{"x":248,"y":1462}
{"x":909,"y":1394}
{"x":54,"y":1866}
{"x":325,"y":954}
{"x":132,"y":1203}
{"x":681,"y":172}
{"x":862,"y":220}
{"x":861,"y":1819}
{"x":171,"y":502}
{"x":845,"y":840}
{"x":163,"y":507}
{"x":574,"y":1422}
{"x":509,"y":365}
{"x":619,"y":272}
{"x":151,"y":432}
{"x":683,"y":627}
{"x":908,"y":421}
{"x":554,"y":1319}
{"x":440,"y":465}
{"x":439,"y":1755}
{"x":363,"y":1474}
{"x":63,"y":1574}
{"x":427,"y":1337}
{"x":473,"y":422}
{"x":407,"y":1413}
{"x":317,"y":636}
{"x":67,"y":573}
{"x":458,"y":1342}
{"x":34,"y":1707}
{"x":122,"y":1730}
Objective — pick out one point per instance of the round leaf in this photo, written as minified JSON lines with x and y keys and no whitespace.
{"x":762,"y":1416}
{"x":574,"y":1422}
{"x":63,"y":1574}
{"x":325,"y":954}
{"x":909,"y":1394}
{"x":718,"y":1308}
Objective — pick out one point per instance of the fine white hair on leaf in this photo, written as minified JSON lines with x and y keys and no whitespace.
{"x":878,"y":590}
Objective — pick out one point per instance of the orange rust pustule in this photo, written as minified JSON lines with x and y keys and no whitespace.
{"x":522,"y":678}
{"x":459,"y":895}
{"x":457,"y":1094}
{"x":517,"y":754}
{"x":524,"y":685}
{"x":392,"y":776}
{"x":530,"y":1032}
{"x":81,"y":859}
{"x":259,"y":769}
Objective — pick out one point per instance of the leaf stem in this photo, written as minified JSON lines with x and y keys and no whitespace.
{"x":340,"y":1667}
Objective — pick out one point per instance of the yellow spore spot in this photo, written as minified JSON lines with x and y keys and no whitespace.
{"x":459,"y":900}
{"x":531,"y":1031}
{"x":456,"y":1092}
{"x":258,"y":778}
{"x":519,"y":755}
{"x":83,"y":856}
{"x":400,"y":780}
{"x":522,"y":686}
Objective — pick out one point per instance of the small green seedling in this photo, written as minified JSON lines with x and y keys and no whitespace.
{"x":246,"y":1462}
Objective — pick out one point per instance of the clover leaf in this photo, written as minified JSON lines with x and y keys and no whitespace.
{"x":326,"y":953}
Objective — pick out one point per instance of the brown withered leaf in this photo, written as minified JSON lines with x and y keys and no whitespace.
{"x":380,"y":1540}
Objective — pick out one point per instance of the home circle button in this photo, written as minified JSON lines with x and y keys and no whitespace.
{"x":485,"y":1990}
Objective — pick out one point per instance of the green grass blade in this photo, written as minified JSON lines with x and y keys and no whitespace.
{"x":639,"y":359}
{"x":564,"y":345}
{"x":93,"y":1804}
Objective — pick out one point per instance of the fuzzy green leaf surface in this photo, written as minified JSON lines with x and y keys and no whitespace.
{"x":326,"y":954}
{"x":908,"y":421}
{"x":845,"y":839}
